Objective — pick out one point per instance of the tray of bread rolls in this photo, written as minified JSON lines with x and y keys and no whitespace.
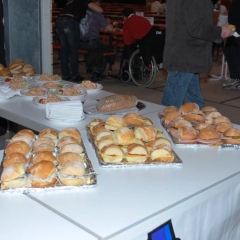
{"x":47,"y":161}
{"x":130,"y":141}
{"x":194,"y":127}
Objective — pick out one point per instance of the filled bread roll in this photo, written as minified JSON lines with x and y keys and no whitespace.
{"x":27,"y":139}
{"x":114,"y":122}
{"x":123,"y":136}
{"x":72,"y":147}
{"x":104,"y":141}
{"x":43,"y":147}
{"x":136,"y":153}
{"x":13,"y":158}
{"x":69,"y":156}
{"x":18,"y":146}
{"x":26,"y":132}
{"x":112,"y":153}
{"x":43,"y":140}
{"x":49,"y":133}
{"x":40,"y":156}
{"x":116,"y":102}
{"x":66,"y":140}
{"x":145,"y":133}
{"x":162,"y":153}
{"x":70,"y":132}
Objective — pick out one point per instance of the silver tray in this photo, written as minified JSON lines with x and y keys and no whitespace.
{"x":91,"y":177}
{"x":176,"y":162}
{"x":176,"y":143}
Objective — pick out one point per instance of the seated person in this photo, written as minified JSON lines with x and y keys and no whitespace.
{"x":150,"y":39}
{"x":90,"y":26}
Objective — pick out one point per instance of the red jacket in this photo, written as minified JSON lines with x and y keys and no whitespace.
{"x":135,"y":28}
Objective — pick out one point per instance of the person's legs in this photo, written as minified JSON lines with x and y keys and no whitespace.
{"x":194,"y":93}
{"x":62,"y":29}
{"x":176,"y":88}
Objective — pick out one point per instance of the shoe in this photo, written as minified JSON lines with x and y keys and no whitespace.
{"x":230,"y":82}
{"x":235,"y":86}
{"x":77,"y":79}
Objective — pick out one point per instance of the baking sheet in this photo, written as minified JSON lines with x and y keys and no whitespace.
{"x":91,"y":178}
{"x":176,"y":162}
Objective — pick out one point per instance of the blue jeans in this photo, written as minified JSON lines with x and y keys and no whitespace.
{"x":182,"y":87}
{"x":69,"y":33}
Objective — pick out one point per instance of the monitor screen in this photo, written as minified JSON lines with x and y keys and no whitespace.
{"x":163,"y":232}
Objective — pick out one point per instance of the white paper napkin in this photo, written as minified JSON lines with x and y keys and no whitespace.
{"x":7,"y":92}
{"x":66,"y":111}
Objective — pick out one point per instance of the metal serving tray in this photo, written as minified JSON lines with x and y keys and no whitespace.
{"x":176,"y":162}
{"x":90,"y":176}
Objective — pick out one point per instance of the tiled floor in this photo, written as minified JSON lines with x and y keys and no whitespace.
{"x":226,"y":101}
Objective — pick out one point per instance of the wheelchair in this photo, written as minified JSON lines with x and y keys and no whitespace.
{"x":133,"y":68}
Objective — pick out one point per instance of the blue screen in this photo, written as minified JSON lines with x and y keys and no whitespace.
{"x":162,"y":234}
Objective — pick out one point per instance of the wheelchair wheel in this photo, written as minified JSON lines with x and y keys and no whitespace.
{"x":125,"y":76}
{"x":141,"y":75}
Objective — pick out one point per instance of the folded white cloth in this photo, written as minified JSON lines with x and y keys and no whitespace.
{"x":7,"y":92}
{"x":66,"y":110}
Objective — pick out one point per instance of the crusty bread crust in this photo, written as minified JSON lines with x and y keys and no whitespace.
{"x":74,"y":168}
{"x":40,"y":156}
{"x":71,"y":132}
{"x":66,"y":140}
{"x":68,"y":156}
{"x":123,"y":136}
{"x":13,"y":171}
{"x":72,"y":147}
{"x":18,"y":146}
{"x":116,"y":102}
{"x":43,"y":169}
{"x":14,"y":158}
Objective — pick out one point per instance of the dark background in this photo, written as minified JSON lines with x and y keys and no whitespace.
{"x":126,"y":1}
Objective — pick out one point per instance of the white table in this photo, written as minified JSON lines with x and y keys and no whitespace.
{"x":24,"y":112}
{"x":128,"y":203}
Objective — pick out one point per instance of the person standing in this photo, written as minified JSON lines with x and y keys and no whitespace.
{"x":90,"y":26}
{"x":188,"y":49}
{"x":67,"y":27}
{"x":232,"y":48}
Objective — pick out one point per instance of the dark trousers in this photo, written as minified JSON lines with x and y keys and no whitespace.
{"x":69,"y":33}
{"x":152,"y":45}
{"x":232,"y":55}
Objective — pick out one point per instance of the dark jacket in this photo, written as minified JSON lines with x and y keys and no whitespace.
{"x":189,"y":36}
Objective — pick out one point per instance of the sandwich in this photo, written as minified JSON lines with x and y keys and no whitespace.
{"x":169,"y":117}
{"x":101,"y":134}
{"x":176,"y":124}
{"x":70,"y":132}
{"x":194,"y":118}
{"x":13,"y":158}
{"x":157,"y":141}
{"x":136,"y":119}
{"x":221,"y":119}
{"x":189,"y":107}
{"x":210,"y":116}
{"x":43,"y":155}
{"x":27,"y":139}
{"x":123,"y":136}
{"x":72,"y":147}
{"x":99,"y":127}
{"x":201,"y":126}
{"x":17,"y":146}
{"x":232,"y":27}
{"x":25,"y":132}
{"x":169,"y":109}
{"x":185,"y":135}
{"x":114,"y":122}
{"x":43,"y":174}
{"x":95,"y":122}
{"x":136,"y":153}
{"x":72,"y":173}
{"x":43,"y":140}
{"x":223,"y":126}
{"x":207,"y":109}
{"x":14,"y":176}
{"x":231,"y":136}
{"x":66,"y":140}
{"x":104,"y":141}
{"x":43,"y":147}
{"x":49,"y":133}
{"x":209,"y":136}
{"x":112,"y":153}
{"x":162,"y":153}
{"x":145,"y":133}
{"x":69,"y":156}
{"x":28,"y":70}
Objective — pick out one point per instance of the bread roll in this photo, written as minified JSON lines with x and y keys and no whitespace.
{"x":44,"y":147}
{"x":70,"y":132}
{"x":13,"y":158}
{"x":169,"y":117}
{"x":66,"y":140}
{"x":43,"y":155}
{"x":43,"y":140}
{"x":104,"y":141}
{"x":158,"y":141}
{"x":232,"y":136}
{"x":98,"y":128}
{"x":189,"y":107}
{"x":20,"y":182}
{"x":13,"y":171}
{"x":112,"y":153}
{"x":27,"y":139}
{"x":134,"y":119}
{"x":74,"y":168}
{"x":116,"y":102}
{"x":18,"y":146}
{"x":49,"y":133}
{"x":223,"y":126}
{"x":209,"y":136}
{"x":101,"y":134}
{"x":114,"y":122}
{"x":194,"y":118}
{"x":221,"y":119}
{"x":72,"y":147}
{"x":232,"y":27}
{"x":169,"y":109}
{"x":26,"y":132}
{"x":207,"y":109}
{"x":123,"y":136}
{"x":136,"y":153}
{"x":95,"y":122}
{"x":162,"y":153}
{"x":69,"y":156}
{"x":145,"y":133}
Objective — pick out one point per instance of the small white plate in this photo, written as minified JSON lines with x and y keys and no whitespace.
{"x":23,"y":91}
{"x":42,"y":81}
{"x":37,"y":100}
{"x":81,"y":97}
{"x":89,"y":91}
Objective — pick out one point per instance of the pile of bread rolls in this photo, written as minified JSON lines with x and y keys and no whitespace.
{"x":17,"y":67}
{"x":131,"y":139}
{"x":49,"y":159}
{"x":191,"y":125}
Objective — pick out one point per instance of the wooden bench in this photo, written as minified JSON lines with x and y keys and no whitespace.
{"x":58,"y":46}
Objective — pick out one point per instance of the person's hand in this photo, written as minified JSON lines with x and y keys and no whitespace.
{"x":226,"y":32}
